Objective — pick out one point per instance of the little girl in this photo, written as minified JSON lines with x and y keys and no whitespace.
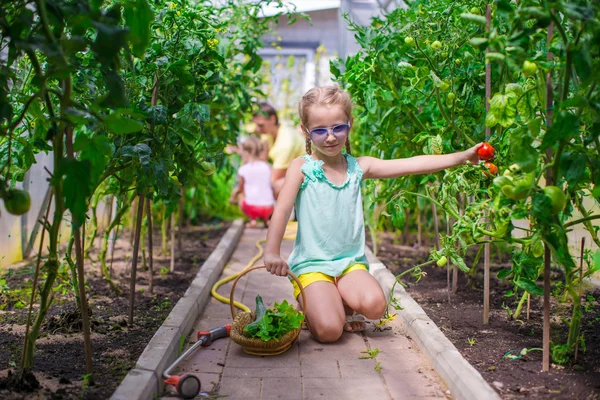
{"x":324,"y":185}
{"x":254,"y":181}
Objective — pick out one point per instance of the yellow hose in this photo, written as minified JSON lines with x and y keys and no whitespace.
{"x":290,"y":234}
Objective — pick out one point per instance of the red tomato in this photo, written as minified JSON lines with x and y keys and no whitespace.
{"x":491,"y":167}
{"x":486,"y":152}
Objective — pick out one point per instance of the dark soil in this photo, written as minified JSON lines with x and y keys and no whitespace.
{"x":59,"y":364}
{"x":485,"y":345}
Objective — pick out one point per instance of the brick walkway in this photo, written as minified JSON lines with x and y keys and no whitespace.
{"x":309,"y":370}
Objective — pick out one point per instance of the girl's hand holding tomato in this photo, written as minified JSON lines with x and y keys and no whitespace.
{"x":471,"y":155}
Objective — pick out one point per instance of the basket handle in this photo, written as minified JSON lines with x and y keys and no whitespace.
{"x":290,"y":273}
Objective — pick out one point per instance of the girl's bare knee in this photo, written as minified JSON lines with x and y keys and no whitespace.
{"x":327,"y":332}
{"x":374,"y":306}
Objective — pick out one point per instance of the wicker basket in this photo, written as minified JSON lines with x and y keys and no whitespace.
{"x":257,"y":346}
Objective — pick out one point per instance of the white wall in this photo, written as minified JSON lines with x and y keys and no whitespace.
{"x":16,"y":231}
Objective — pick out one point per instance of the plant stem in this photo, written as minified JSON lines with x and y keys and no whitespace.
{"x":450,"y":121}
{"x":136,"y":247}
{"x":34,"y":286}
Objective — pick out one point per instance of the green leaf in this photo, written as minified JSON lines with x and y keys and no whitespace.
{"x":583,"y":64}
{"x":370,"y":100}
{"x":157,"y":115}
{"x":478,"y":42}
{"x":140,"y":150}
{"x":503,"y":273}
{"x":542,"y":207}
{"x":529,"y":286}
{"x":138,"y":17}
{"x":76,"y":187}
{"x":503,"y":108}
{"x":96,"y":151}
{"x":474,"y":18}
{"x":596,"y":262}
{"x":523,"y":105}
{"x":523,"y":152}
{"x":573,"y":168}
{"x":109,"y":41}
{"x":122,"y":125}
{"x":564,"y":127}
{"x":459,"y":262}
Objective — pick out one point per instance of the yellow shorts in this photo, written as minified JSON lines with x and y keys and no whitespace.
{"x":312,"y":277}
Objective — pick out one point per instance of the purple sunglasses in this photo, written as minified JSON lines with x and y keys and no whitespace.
{"x":319,"y":135}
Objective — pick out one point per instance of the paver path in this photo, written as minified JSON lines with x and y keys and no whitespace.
{"x":309,"y":370}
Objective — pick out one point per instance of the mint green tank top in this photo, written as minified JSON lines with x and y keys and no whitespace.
{"x":331,"y":233}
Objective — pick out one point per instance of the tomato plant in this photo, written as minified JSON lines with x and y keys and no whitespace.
{"x":133,"y":98}
{"x":542,"y":134}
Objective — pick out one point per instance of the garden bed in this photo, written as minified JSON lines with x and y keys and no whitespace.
{"x":485,"y":345}
{"x":59,"y":363}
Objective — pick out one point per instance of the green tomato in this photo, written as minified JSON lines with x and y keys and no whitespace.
{"x":529,"y":68}
{"x":502,"y":181}
{"x":510,"y":192}
{"x":443,"y":55}
{"x":451,"y":96}
{"x":442,"y":261}
{"x":409,"y":40}
{"x":557,"y":196}
{"x":474,"y":10}
{"x":17,"y":202}
{"x":457,"y":61}
{"x":208,"y":167}
{"x":436,"y":45}
{"x":444,"y":86}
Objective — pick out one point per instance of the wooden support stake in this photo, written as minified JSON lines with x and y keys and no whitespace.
{"x":87,"y":340}
{"x":136,"y":248}
{"x":419,"y":237}
{"x":448,"y":267}
{"x":436,"y":226}
{"x":133,"y":205}
{"x":172,"y":242}
{"x":549,"y":182}
{"x":580,"y":287}
{"x":454,"y":267}
{"x":181,"y":216}
{"x":486,"y":248}
{"x":150,"y":264}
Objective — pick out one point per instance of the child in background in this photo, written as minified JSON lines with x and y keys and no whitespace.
{"x":254,"y":182}
{"x":324,"y":185}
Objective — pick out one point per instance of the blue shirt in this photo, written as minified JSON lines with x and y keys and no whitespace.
{"x":331,"y":232}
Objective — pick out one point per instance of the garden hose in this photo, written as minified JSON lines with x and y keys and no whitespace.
{"x":290,"y":234}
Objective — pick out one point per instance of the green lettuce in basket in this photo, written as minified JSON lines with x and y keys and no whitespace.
{"x":272,"y":324}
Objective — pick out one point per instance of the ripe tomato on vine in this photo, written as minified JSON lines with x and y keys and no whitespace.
{"x":486,"y":152}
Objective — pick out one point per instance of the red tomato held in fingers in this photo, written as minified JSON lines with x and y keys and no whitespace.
{"x":486,"y":152}
{"x":491,"y":167}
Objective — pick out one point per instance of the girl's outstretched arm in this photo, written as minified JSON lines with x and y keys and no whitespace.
{"x":285,"y":202}
{"x":374,"y":168}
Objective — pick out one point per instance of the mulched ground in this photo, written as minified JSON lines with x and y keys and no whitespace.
{"x":485,"y":345}
{"x":59,"y":364}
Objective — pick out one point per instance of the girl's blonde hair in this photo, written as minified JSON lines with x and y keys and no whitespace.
{"x":327,"y":96}
{"x":253,"y":146}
